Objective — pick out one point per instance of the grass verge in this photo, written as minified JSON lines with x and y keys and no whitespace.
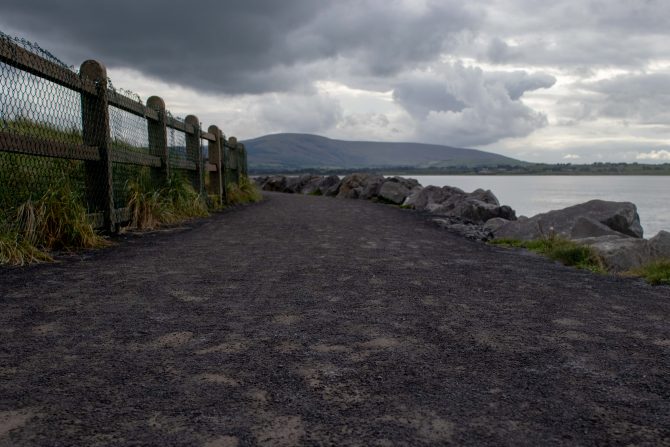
{"x":151,"y":207}
{"x":245,"y":192}
{"x":656,"y":272}
{"x":56,"y":221}
{"x":559,"y":249}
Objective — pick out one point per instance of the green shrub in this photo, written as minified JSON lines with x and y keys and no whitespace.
{"x":656,"y":272}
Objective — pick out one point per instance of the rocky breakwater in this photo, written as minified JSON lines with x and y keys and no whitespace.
{"x":611,"y":229}
{"x":456,"y":210}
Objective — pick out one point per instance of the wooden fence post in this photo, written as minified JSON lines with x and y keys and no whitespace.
{"x":158,"y":144}
{"x":215,"y":177}
{"x":243,"y":160}
{"x":234,"y":161}
{"x":224,"y":167}
{"x":96,"y":132}
{"x":193,"y":151}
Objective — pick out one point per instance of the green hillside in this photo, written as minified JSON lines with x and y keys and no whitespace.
{"x":299,"y":151}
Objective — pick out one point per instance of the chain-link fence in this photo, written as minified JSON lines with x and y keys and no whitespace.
{"x":62,"y":127}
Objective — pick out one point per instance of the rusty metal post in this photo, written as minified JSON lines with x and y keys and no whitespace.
{"x":193,"y":151}
{"x":96,"y":132}
{"x":158,"y":142}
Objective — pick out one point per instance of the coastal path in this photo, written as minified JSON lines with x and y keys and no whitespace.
{"x":308,"y":320}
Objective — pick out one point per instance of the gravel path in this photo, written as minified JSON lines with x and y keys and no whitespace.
{"x":315,"y":321}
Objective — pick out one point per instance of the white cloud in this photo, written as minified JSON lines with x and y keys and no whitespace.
{"x":571,"y":157}
{"x":466,"y":106}
{"x":653,"y":155}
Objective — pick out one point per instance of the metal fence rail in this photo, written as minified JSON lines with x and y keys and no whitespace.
{"x":57,"y":124}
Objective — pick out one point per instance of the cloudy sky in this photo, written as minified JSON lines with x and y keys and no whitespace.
{"x":563,"y":81}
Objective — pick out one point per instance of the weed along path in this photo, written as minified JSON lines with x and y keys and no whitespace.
{"x":314,"y":321}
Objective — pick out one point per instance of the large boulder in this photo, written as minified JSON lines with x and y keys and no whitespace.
{"x":312,"y":186}
{"x":260,"y":180}
{"x":410,"y":201}
{"x":408,"y":183}
{"x":478,"y":206}
{"x":393,"y":192}
{"x":585,"y":227}
{"x":330,"y":186}
{"x":295,"y":185}
{"x":660,"y":245}
{"x":275,"y":183}
{"x":360,"y":186}
{"x":620,"y":217}
{"x":620,"y":253}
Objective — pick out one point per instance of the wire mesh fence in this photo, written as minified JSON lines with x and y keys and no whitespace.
{"x":59,"y":126}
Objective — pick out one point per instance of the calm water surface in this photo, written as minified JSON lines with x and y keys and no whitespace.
{"x":530,"y":195}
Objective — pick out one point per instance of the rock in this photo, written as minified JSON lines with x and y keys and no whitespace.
{"x":372,"y":186}
{"x":471,"y":209}
{"x":330,"y":186}
{"x":260,"y":180}
{"x":408,"y":183}
{"x":432,"y":197}
{"x":485,"y":196}
{"x":465,"y":229}
{"x":275,"y":183}
{"x":477,"y":207}
{"x":494,"y":223}
{"x":295,"y":185}
{"x":620,"y":253}
{"x":621,"y":217}
{"x":360,"y":186}
{"x":660,"y":245}
{"x":586,"y":227}
{"x":411,"y":199}
{"x":312,"y":186}
{"x":394,"y":192}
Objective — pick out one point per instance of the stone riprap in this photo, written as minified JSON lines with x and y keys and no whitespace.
{"x":612,"y":229}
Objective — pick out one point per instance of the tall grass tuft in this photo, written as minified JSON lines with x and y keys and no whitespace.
{"x":56,"y":221}
{"x":563,"y":250}
{"x":175,"y":201}
{"x":245,"y":192}
{"x":656,"y":272}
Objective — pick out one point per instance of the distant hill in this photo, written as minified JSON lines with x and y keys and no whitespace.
{"x":292,"y":151}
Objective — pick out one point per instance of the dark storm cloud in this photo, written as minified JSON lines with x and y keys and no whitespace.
{"x":243,"y":46}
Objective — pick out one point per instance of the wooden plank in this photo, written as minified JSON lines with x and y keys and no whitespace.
{"x":24,"y":144}
{"x":208,"y":136}
{"x":183,"y":164}
{"x":176,"y":124}
{"x":181,"y":126}
{"x":16,"y":56}
{"x":136,"y":108}
{"x":210,"y":167}
{"x":120,"y":155}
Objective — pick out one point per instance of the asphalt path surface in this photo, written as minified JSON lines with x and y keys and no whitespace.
{"x":317,"y":321}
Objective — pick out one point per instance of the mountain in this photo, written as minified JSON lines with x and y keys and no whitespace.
{"x":299,"y":151}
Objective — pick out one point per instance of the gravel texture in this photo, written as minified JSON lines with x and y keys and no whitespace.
{"x":317,"y":321}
